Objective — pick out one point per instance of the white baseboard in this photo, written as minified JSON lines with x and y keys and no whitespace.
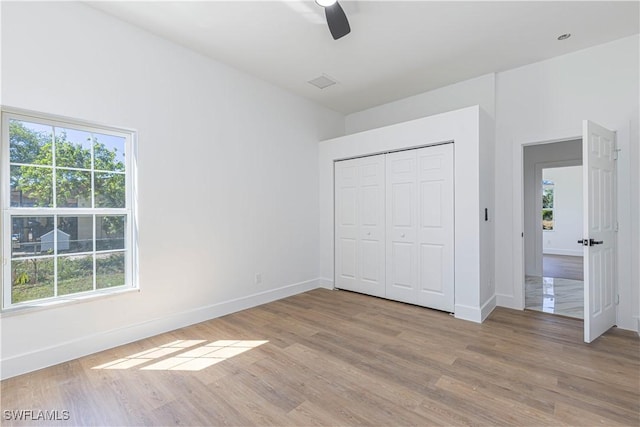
{"x":487,"y":308}
{"x":508,"y":301}
{"x":475,"y":314}
{"x":325,"y":283}
{"x":466,"y":312}
{"x":570,"y":252}
{"x":83,"y":346}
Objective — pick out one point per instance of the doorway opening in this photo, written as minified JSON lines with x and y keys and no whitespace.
{"x":554,"y":265}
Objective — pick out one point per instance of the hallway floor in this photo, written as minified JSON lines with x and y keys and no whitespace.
{"x":560,"y":290}
{"x":555,"y":295}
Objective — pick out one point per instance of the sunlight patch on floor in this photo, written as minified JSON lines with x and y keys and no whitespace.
{"x":190,"y":359}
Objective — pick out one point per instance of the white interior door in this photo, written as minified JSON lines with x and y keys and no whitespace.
{"x":599,"y":173}
{"x":402,"y":239}
{"x":435,"y":227}
{"x":420,"y":252}
{"x":359,"y":237}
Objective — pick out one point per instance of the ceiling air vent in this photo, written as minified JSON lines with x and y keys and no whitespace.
{"x":322,"y":82}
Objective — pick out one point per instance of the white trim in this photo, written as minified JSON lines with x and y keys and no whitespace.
{"x":326,"y":283}
{"x":466,"y":312}
{"x":475,"y":314}
{"x":55,"y":302}
{"x":73,"y":349}
{"x":518,"y":206}
{"x":487,"y":308}
{"x":51,"y":118}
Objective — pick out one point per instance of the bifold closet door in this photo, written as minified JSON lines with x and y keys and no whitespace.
{"x":419,"y":235}
{"x":360,"y":225}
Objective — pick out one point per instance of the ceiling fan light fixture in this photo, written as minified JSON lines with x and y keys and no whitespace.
{"x":325,"y":3}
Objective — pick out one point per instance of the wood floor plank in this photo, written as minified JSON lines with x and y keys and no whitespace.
{"x":340,"y":358}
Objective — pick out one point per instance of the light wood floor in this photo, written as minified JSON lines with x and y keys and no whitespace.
{"x":563,"y":266}
{"x":339,"y":358}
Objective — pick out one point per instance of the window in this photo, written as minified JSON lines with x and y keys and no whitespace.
{"x":547,"y":205}
{"x":67,"y":221}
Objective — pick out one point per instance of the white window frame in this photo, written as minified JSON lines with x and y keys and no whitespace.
{"x":130,"y":238}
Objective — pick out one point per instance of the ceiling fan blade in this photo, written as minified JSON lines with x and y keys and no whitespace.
{"x":337,"y":21}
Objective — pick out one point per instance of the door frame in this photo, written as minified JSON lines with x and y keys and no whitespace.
{"x":518,"y":218}
{"x":518,"y":211}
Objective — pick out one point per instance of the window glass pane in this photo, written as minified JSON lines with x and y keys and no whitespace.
{"x":109,"y":152}
{"x":547,"y":197}
{"x":75,"y":234}
{"x":109,"y":190}
{"x":73,"y":148}
{"x":110,"y":231}
{"x":75,"y":274}
{"x":109,"y":270}
{"x":30,"y":143}
{"x":31,"y":279}
{"x":31,"y":186}
{"x":547,"y":219}
{"x":73,"y":188}
{"x":31,"y":236}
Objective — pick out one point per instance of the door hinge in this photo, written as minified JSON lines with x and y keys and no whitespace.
{"x":617,"y":299}
{"x":616,"y":226}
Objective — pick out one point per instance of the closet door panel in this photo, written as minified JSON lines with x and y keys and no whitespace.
{"x":359,"y":235}
{"x":346,"y":193}
{"x":394,"y":226}
{"x":435,"y":229}
{"x":431,"y":271}
{"x":401,"y":278}
{"x":371,"y":221}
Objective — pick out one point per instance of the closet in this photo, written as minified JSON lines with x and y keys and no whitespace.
{"x":394,"y":226}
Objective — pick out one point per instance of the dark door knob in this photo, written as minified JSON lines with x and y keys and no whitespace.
{"x":590,"y":242}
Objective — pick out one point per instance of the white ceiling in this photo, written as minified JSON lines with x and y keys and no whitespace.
{"x":396,"y":48}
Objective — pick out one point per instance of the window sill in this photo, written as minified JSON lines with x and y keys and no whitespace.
{"x":25,"y":308}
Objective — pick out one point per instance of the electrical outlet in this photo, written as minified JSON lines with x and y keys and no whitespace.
{"x":258,"y":278}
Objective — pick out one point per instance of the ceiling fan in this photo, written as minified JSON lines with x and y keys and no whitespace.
{"x":336,"y":18}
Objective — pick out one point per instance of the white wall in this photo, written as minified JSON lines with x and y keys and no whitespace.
{"x":565,"y":153}
{"x":548,"y":101}
{"x":478,"y":91}
{"x":472,"y":254}
{"x":227,"y":167}
{"x":543,"y":102}
{"x":567,"y":212}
